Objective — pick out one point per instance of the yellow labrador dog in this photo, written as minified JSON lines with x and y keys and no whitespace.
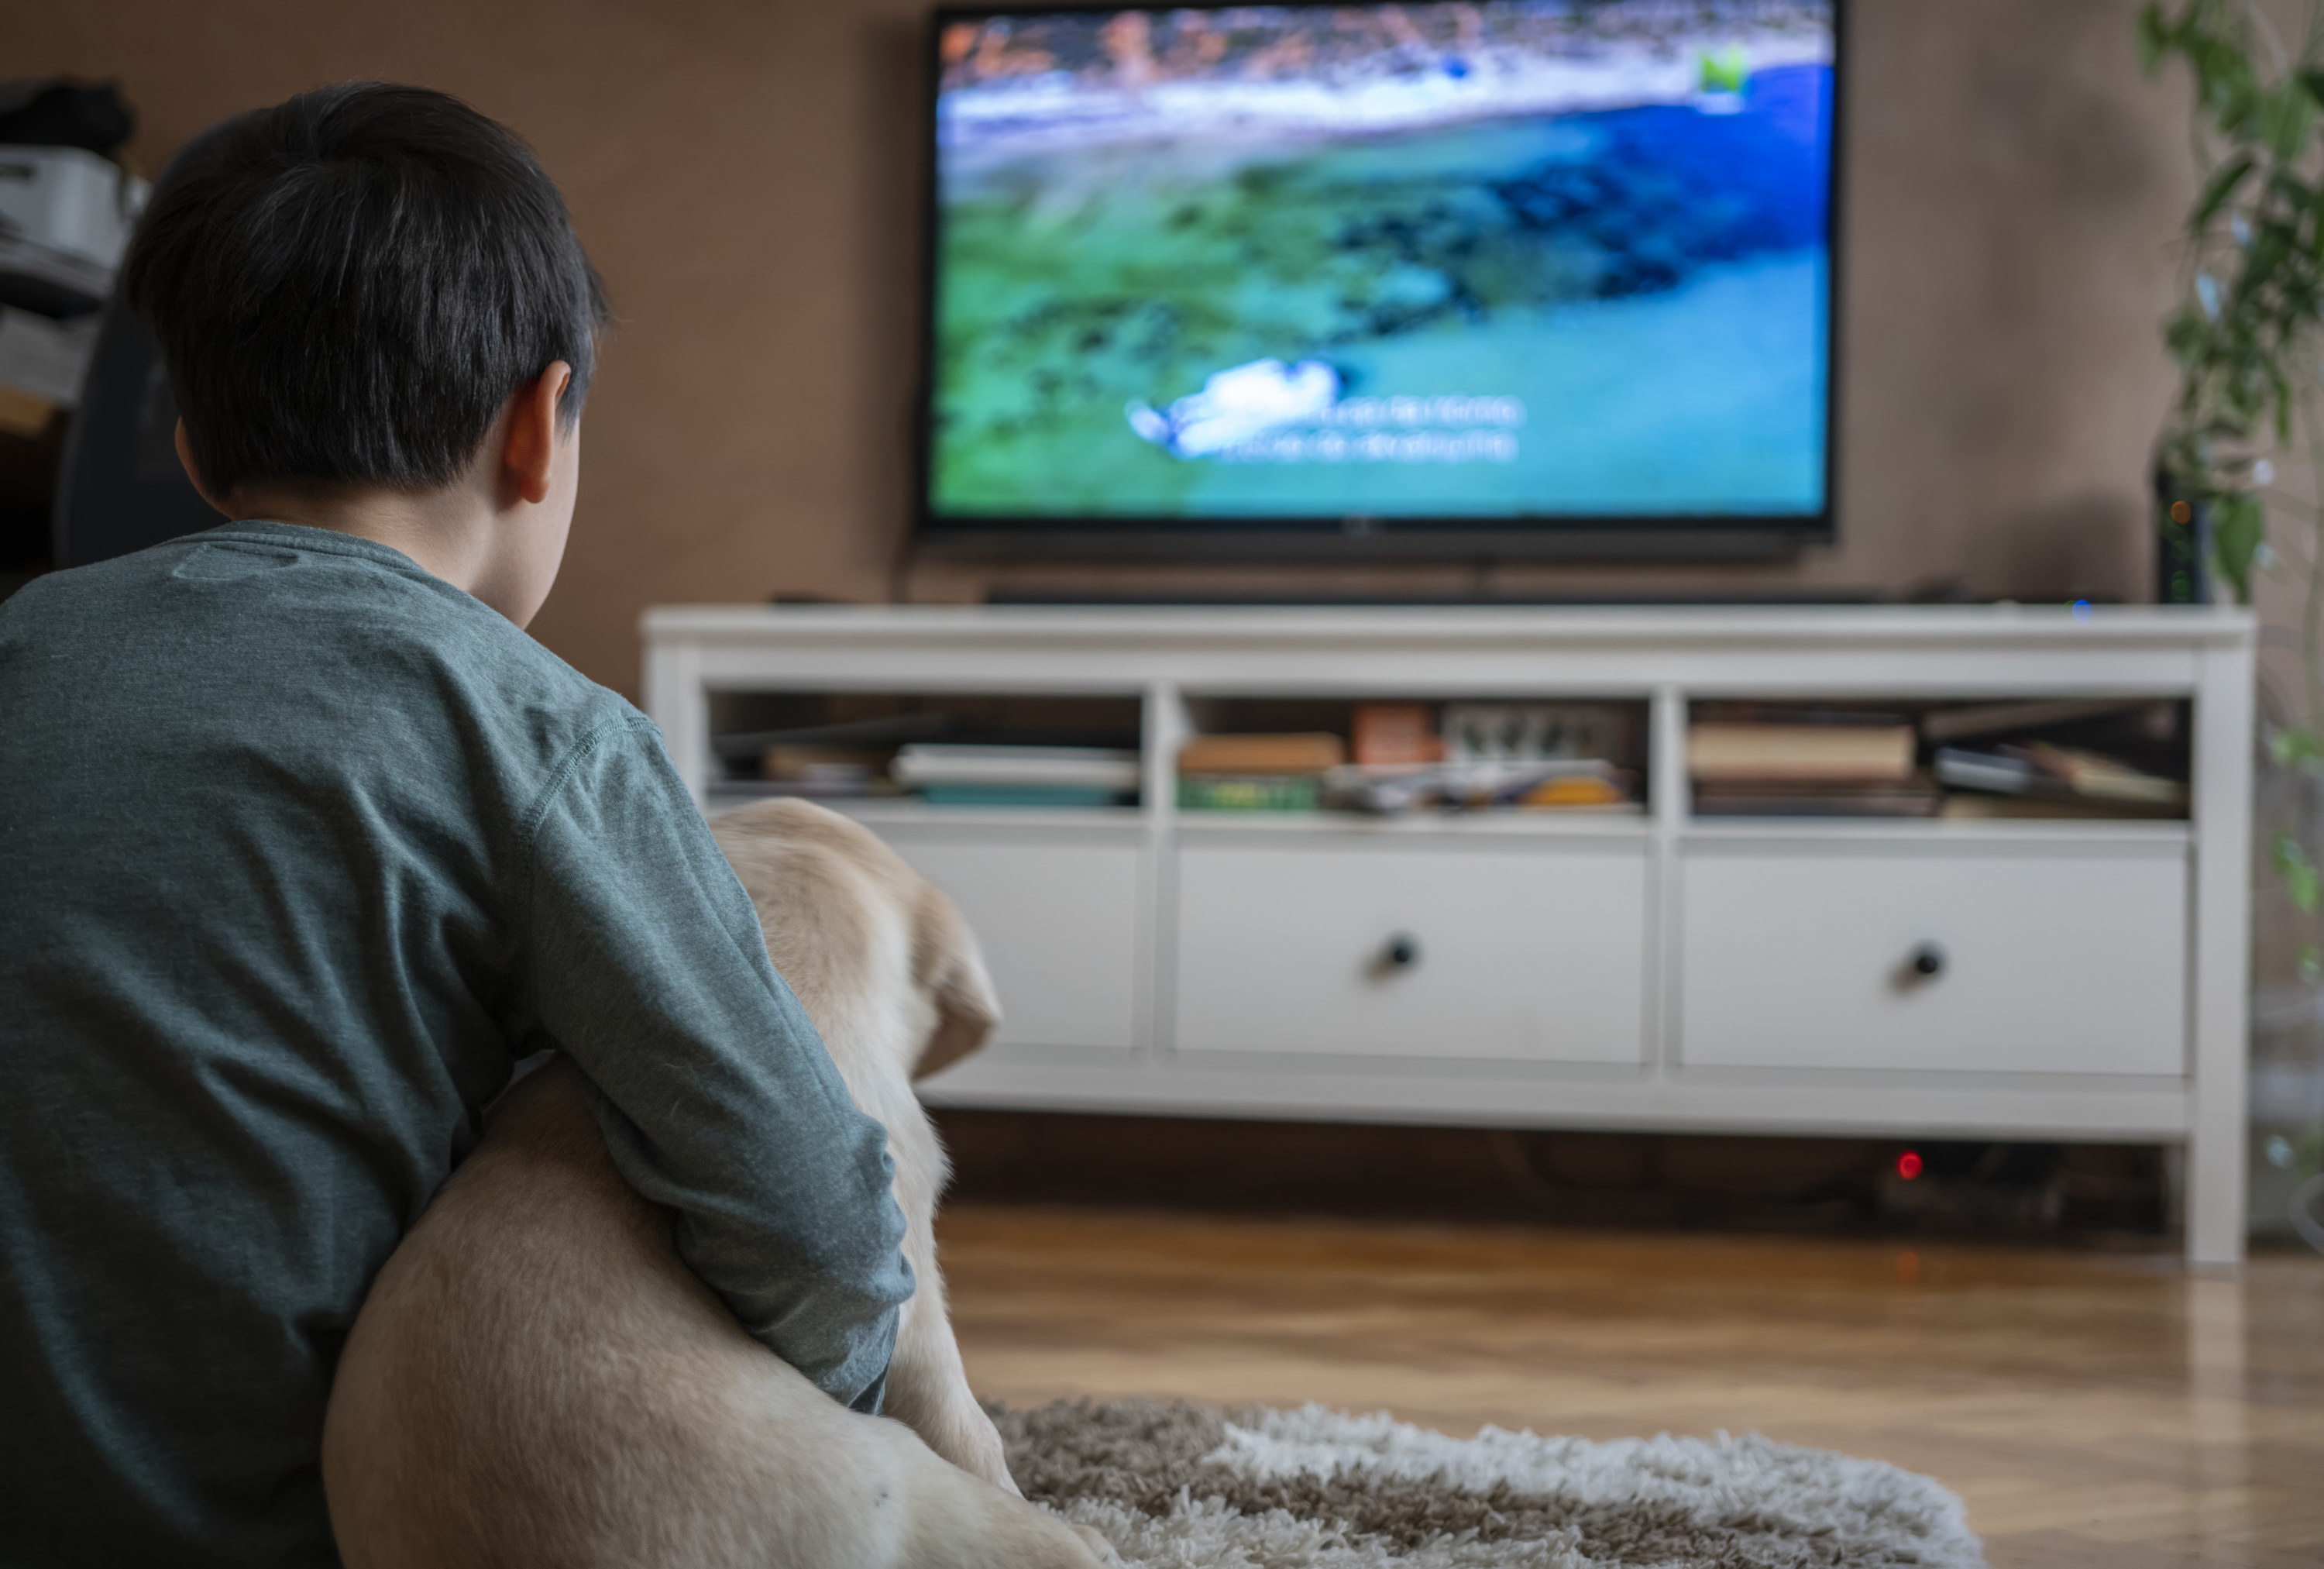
{"x":537,"y":1378}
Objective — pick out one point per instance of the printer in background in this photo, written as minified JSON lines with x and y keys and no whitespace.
{"x":67,"y":210}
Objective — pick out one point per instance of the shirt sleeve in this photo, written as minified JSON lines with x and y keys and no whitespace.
{"x":643,"y":960}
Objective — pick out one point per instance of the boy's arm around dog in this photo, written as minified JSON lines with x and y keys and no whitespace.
{"x":644,"y":963}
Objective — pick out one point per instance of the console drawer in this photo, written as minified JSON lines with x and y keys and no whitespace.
{"x":1520,"y":951}
{"x":1058,"y":924}
{"x":2047,"y":961}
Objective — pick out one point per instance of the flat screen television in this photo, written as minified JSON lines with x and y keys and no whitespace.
{"x":1517,"y":276}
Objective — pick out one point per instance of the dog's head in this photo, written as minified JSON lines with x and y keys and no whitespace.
{"x":857,"y":932}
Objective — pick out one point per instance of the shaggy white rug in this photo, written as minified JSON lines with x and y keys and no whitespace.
{"x":1188,"y":1487}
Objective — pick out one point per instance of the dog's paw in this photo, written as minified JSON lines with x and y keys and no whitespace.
{"x":1098,"y":1545}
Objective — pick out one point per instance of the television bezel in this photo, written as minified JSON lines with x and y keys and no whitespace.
{"x":1694,"y":536}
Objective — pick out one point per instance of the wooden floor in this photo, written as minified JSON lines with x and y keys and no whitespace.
{"x":2092,"y":1409}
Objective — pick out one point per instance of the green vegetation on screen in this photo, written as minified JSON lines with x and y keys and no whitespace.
{"x":1059,"y":309}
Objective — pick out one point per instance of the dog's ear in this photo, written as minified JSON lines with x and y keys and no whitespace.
{"x":946,"y":961}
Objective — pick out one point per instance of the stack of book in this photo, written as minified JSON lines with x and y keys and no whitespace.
{"x":2002,"y":759}
{"x":1256,"y":773}
{"x":1806,"y":763}
{"x":2038,"y":780}
{"x":832,"y":772}
{"x":946,"y":774}
{"x":826,"y":761}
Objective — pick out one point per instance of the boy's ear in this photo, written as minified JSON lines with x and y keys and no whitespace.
{"x":186,"y":462}
{"x":529,"y":447}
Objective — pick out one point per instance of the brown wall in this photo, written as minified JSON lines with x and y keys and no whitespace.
{"x":745,"y":176}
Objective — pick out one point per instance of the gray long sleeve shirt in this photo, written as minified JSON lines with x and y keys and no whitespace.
{"x":300,"y":849}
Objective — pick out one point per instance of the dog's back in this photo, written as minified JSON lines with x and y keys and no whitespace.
{"x":499,"y":1404}
{"x":538,"y":1378}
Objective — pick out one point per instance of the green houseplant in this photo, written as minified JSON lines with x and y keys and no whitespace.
{"x":2248,"y":338}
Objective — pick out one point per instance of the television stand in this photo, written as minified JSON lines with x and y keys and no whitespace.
{"x":1666,"y":970}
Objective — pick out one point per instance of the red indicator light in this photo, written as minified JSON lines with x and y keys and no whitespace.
{"x":1908,"y":1165}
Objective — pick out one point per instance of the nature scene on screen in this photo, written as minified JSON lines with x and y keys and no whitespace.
{"x":1549,"y":258}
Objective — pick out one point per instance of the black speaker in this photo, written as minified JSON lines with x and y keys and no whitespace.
{"x":121,"y":487}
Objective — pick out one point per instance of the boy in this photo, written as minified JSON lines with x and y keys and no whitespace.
{"x":303,"y":843}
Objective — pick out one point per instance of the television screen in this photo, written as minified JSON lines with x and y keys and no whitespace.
{"x":1526,"y":265}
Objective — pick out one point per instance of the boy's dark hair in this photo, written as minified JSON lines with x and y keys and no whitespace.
{"x":348,"y":286}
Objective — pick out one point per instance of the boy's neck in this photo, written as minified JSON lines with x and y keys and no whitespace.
{"x":504,"y":556}
{"x":446,"y":532}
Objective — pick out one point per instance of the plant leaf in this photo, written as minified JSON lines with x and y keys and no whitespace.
{"x":2281,"y":119}
{"x":2238,"y":526}
{"x":2221,"y":187}
{"x":2154,"y":36}
{"x":2293,"y":745}
{"x":2299,"y":878}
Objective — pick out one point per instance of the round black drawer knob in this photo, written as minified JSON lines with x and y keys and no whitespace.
{"x":1928,"y":961}
{"x":1401,"y":952}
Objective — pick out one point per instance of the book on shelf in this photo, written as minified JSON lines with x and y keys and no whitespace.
{"x":1578,"y":792}
{"x":2102,"y":777}
{"x":1395,"y":734}
{"x":1737,"y":751}
{"x":1983,"y":770}
{"x":1983,"y":808}
{"x":1916,"y":797}
{"x":1099,"y":768}
{"x":1246,"y":793}
{"x":1022,"y":794}
{"x":882,"y":733}
{"x":733,"y":788}
{"x":1980,"y":719}
{"x":1304,"y":753}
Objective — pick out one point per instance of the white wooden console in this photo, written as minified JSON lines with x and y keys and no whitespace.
{"x":1656,"y":971}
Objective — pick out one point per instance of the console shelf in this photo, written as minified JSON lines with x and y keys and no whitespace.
{"x":2077,"y":978}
